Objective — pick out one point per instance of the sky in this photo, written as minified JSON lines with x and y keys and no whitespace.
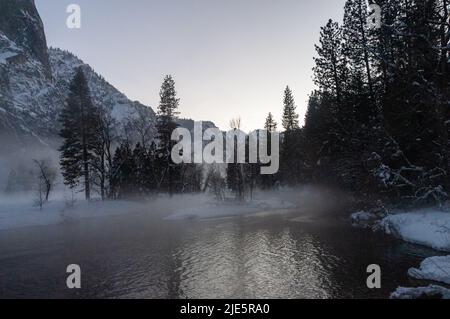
{"x":229,"y":58}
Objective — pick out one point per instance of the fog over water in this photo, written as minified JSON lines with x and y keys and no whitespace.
{"x":191,"y":247}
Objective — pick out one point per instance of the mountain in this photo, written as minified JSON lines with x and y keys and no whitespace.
{"x":34,"y":85}
{"x":34,"y":82}
{"x":21,"y":23}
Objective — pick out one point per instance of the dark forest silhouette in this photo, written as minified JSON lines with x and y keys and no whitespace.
{"x":377,"y":126}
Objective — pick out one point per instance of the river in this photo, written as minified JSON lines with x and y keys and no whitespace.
{"x":260,"y":256}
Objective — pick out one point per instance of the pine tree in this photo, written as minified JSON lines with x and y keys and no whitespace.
{"x":357,"y":44}
{"x":330,"y":71}
{"x":266,"y":181}
{"x":166,"y":124}
{"x":289,"y":157}
{"x":124,"y":181}
{"x":144,"y":161}
{"x":270,"y":125}
{"x":290,"y":117}
{"x":80,"y":120}
{"x":379,"y":123}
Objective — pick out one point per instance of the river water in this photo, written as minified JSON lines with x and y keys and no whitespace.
{"x":260,"y":256}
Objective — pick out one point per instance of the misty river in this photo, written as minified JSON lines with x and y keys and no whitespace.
{"x":260,"y":256}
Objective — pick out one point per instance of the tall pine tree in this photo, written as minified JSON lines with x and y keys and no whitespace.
{"x":166,"y":124}
{"x":290,"y":117}
{"x":80,"y":120}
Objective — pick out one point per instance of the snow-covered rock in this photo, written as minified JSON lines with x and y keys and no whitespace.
{"x":8,"y":49}
{"x":433,"y":268}
{"x":425,"y":227}
{"x":429,"y":228}
{"x":364,"y":219}
{"x":430,"y":292}
{"x":370,"y":219}
{"x":20,"y":22}
{"x":32,"y":102}
{"x":64,"y":65}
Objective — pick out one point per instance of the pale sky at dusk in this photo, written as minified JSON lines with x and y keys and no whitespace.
{"x":228,"y":57}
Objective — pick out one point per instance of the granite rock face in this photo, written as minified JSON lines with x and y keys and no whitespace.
{"x":20,"y":22}
{"x":34,"y":82}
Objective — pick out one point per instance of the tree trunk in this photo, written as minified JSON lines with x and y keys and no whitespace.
{"x":87,"y":186}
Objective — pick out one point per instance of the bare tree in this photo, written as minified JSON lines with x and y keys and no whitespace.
{"x":235,"y":170}
{"x":235,"y":124}
{"x":46,"y":179}
{"x":140,"y":126}
{"x":107,"y":133}
{"x":216,"y":183}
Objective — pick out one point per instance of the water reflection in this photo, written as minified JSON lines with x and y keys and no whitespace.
{"x":259,"y":257}
{"x":235,"y":262}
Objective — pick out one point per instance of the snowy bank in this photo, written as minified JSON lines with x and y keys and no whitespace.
{"x":427,"y":227}
{"x":21,"y":213}
{"x":367,"y":219}
{"x":371,"y":218}
{"x":434,"y":268}
{"x":430,"y":292}
{"x":208,"y":209}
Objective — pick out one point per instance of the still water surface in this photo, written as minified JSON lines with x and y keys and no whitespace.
{"x":264,"y":256}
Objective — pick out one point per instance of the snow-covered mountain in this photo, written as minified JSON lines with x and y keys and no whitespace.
{"x":34,"y":85}
{"x":64,"y":64}
{"x":34,"y":81}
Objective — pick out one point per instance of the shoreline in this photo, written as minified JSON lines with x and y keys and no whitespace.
{"x":425,"y":227}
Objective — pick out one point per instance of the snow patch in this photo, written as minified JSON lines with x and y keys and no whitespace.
{"x":4,"y":56}
{"x":434,"y":268}
{"x":427,"y":227}
{"x":364,"y":219}
{"x":8,"y":49}
{"x":22,"y":213}
{"x":370,"y":219}
{"x":430,"y":292}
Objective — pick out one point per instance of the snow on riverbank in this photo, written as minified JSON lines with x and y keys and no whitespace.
{"x":21,"y":213}
{"x":426,"y":227}
{"x":429,"y":292}
{"x":209,"y":209}
{"x":370,"y":220}
{"x":434,"y":268}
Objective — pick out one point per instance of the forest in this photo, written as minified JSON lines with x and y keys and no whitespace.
{"x":377,"y":126}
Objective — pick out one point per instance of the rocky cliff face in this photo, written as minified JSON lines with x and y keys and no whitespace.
{"x":34,"y":82}
{"x":20,"y":22}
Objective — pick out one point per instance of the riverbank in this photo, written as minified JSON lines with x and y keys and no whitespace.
{"x":19,"y":212}
{"x":427,"y":227}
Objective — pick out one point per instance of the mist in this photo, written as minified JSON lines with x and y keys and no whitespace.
{"x":64,"y":207}
{"x":18,"y":154}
